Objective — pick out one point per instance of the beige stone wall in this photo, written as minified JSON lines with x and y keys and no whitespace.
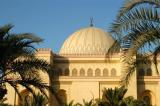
{"x":86,"y":78}
{"x":87,"y":86}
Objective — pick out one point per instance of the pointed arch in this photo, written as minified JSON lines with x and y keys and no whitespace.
{"x":148,"y":97}
{"x":90,"y":72}
{"x":82,"y":72}
{"x":97,"y":72}
{"x":62,"y":96}
{"x":105,"y":72}
{"x":74,"y":72}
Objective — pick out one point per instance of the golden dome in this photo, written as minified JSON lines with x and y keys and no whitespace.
{"x":87,"y":41}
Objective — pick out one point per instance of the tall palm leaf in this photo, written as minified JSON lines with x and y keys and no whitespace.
{"x":114,"y":97}
{"x":18,"y":64}
{"x":39,"y":100}
{"x":86,"y":103}
{"x":137,"y":31}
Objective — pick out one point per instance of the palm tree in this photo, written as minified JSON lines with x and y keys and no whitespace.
{"x":130,"y":101}
{"x":18,"y":64}
{"x":86,"y":103}
{"x":113,"y":97}
{"x":137,"y":33}
{"x":38,"y":100}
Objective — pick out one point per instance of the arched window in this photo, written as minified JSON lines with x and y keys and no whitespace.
{"x":141,"y":72}
{"x":147,"y":100}
{"x":90,"y":72}
{"x":62,"y":96}
{"x":149,"y":72}
{"x":105,"y":72}
{"x":146,"y":97}
{"x":74,"y":72}
{"x":97,"y":72}
{"x":82,"y":72}
{"x":113,"y":72}
{"x":66,"y":72}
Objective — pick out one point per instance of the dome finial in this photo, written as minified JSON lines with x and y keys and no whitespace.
{"x":91,"y":21}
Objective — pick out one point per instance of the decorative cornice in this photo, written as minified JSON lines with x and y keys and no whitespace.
{"x":87,"y":55}
{"x":44,"y":49}
{"x":81,"y":79}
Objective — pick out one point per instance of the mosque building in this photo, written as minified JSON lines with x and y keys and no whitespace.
{"x":83,"y":70}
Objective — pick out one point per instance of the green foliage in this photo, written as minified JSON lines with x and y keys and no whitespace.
{"x":111,"y":97}
{"x":130,"y":101}
{"x":114,"y":97}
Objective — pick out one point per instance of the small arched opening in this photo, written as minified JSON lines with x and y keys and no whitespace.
{"x":82,"y":72}
{"x":148,"y":98}
{"x":74,"y":72}
{"x":105,"y":72}
{"x":62,"y":96}
{"x":90,"y":72}
{"x":97,"y":72}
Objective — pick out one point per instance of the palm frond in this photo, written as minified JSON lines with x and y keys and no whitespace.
{"x":18,"y":63}
{"x":39,"y":100}
{"x":33,"y":83}
{"x":130,"y":4}
{"x":14,"y":86}
{"x":31,"y":65}
{"x":115,"y":48}
{"x":133,"y":18}
{"x":155,"y":55}
{"x":113,"y":97}
{"x":4,"y":30}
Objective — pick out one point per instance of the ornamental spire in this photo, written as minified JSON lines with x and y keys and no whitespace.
{"x":91,"y":22}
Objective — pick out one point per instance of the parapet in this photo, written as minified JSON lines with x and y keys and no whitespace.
{"x":44,"y":50}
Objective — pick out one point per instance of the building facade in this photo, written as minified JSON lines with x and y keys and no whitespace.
{"x":83,"y":70}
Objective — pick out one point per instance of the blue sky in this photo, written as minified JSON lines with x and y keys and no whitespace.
{"x":55,"y":20}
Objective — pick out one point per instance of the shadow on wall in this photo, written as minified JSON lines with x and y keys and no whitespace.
{"x":59,"y":71}
{"x":144,"y":71}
